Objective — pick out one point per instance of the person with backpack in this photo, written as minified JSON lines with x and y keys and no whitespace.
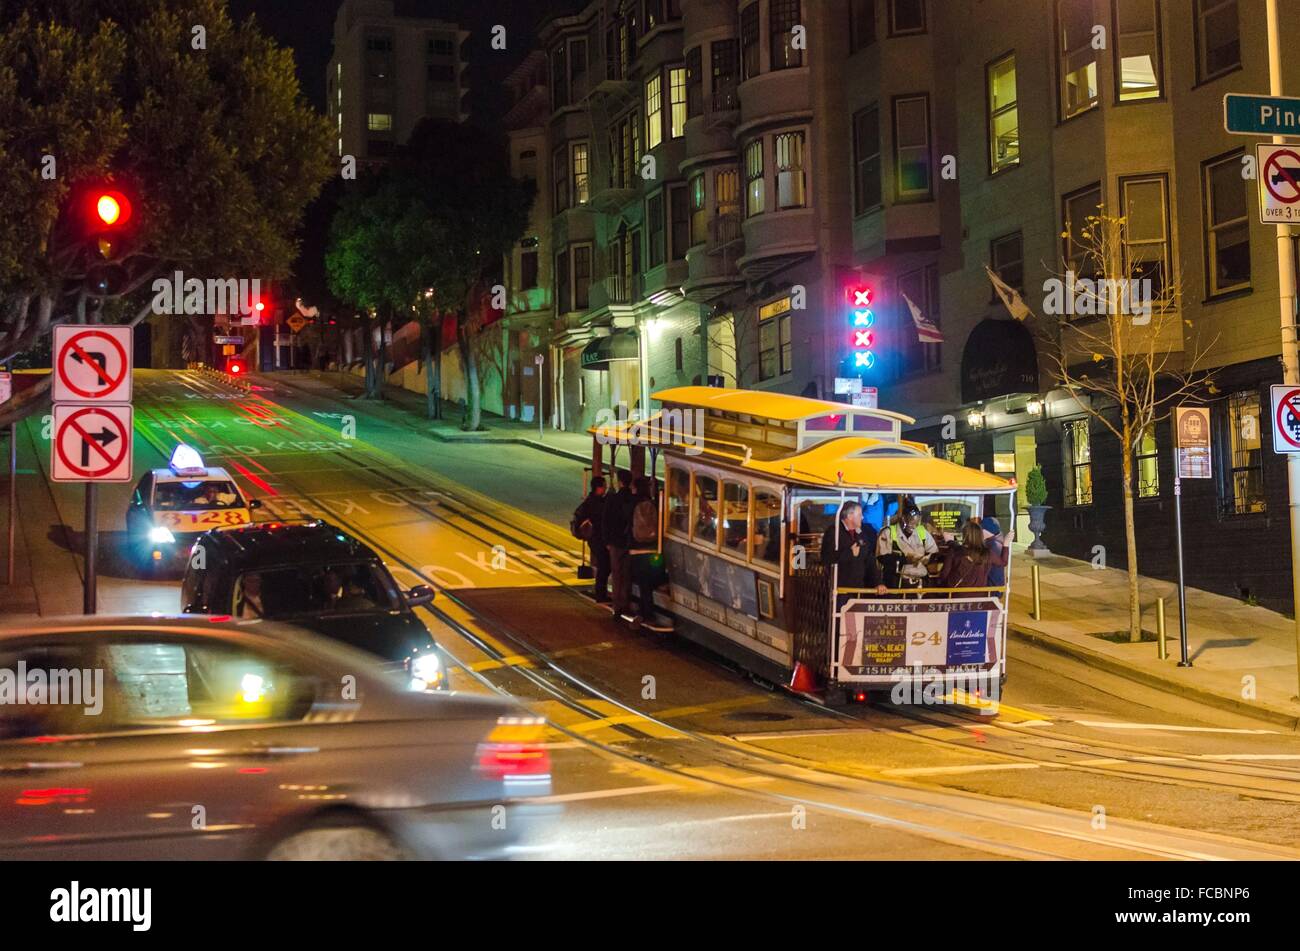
{"x":617,"y":532}
{"x":588,"y":524}
{"x":645,"y":545}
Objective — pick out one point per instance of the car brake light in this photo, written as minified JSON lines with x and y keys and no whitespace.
{"x":515,"y":749}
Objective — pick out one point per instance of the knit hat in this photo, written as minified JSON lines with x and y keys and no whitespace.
{"x":991,"y":525}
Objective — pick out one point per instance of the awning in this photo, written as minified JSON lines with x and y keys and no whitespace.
{"x":999,"y":360}
{"x":602,"y":351}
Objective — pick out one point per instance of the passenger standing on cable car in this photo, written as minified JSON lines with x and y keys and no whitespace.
{"x":853,"y":549}
{"x":907,"y":548}
{"x":618,"y":538}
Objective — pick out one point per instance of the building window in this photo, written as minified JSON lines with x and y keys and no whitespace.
{"x":655,"y":228}
{"x":866,"y":160}
{"x":1218,"y":38}
{"x":528,"y":164}
{"x":559,"y":77}
{"x":1147,"y":469}
{"x":1227,"y":226}
{"x":560,"y":178}
{"x":379,"y":44}
{"x":755,"y":187}
{"x":749,"y":41}
{"x":379,"y":122}
{"x":1077,"y":209}
{"x":774,"y":342}
{"x":1007,"y":260}
{"x":677,"y":101}
{"x":440,"y":72}
{"x":704,"y":510}
{"x":1077,"y":60}
{"x":654,"y":14}
{"x":625,"y":151}
{"x":955,"y":452}
{"x":577,"y":68}
{"x":679,"y":355}
{"x":563,"y":303}
{"x":1247,"y":473}
{"x":694,"y":83}
{"x":528,"y":268}
{"x":726,"y":192}
{"x":1145,"y":204}
{"x":1137,"y":49}
{"x":582,"y":277}
{"x":679,"y":233}
{"x":581,"y":174}
{"x":912,"y":147}
{"x":1004,"y":115}
{"x":442,"y":45}
{"x":922,"y":288}
{"x":725,"y":55}
{"x":862,"y":24}
{"x":906,"y":17}
{"x":699,"y":212}
{"x":791,"y":180}
{"x":784,"y":17}
{"x":1078,"y":471}
{"x":654,"y":112}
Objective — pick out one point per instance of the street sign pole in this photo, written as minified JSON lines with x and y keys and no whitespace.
{"x":1290,"y":357}
{"x":13,"y":501}
{"x":541,"y":396}
{"x":89,"y":600}
{"x":1182,"y":588}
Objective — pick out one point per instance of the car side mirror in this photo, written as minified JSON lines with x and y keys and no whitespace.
{"x":419,"y":595}
{"x":254,"y":504}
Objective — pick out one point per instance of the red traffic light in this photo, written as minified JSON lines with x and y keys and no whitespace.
{"x":234,"y":368}
{"x":112,"y":209}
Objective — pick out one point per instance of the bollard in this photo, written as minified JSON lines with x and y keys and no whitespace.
{"x":1161,"y":650}
{"x":1037,"y":613}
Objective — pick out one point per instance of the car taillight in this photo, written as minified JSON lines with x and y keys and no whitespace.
{"x":515,"y":750}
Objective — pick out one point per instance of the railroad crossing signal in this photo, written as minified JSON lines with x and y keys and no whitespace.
{"x":92,"y":364}
{"x":1279,"y":184}
{"x":92,"y":444}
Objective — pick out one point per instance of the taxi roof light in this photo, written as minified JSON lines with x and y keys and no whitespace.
{"x":186,"y":460}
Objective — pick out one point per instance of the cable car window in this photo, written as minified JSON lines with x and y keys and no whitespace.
{"x":735,"y":519}
{"x":706,"y":511}
{"x":679,"y":501}
{"x":872,"y":424}
{"x":835,"y":423}
{"x":767,"y":527}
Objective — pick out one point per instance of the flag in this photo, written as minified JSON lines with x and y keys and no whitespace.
{"x":926,"y":331}
{"x":1010,"y":296}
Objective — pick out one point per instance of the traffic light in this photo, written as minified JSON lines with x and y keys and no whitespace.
{"x":235,"y":367}
{"x":108,"y":216}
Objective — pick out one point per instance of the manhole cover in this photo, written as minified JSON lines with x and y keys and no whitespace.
{"x":758,"y":717}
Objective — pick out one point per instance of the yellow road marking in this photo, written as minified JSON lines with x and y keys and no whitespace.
{"x":998,"y":709}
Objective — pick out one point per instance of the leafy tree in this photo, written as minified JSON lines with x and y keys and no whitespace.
{"x":206,"y":130}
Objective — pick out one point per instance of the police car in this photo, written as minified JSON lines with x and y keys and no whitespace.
{"x":171,"y":507}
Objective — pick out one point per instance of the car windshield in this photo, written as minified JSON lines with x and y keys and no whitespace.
{"x":188,"y":496}
{"x":317,"y":590}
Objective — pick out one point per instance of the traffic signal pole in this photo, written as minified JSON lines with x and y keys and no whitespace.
{"x":1286,"y":270}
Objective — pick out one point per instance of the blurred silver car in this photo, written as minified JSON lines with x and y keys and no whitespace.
{"x":196,"y":738}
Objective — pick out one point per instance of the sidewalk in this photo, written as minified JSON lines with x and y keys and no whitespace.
{"x":1233,"y":647}
{"x":406,"y":408}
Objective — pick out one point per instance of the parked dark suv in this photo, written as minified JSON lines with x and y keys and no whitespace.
{"x":316,"y":576}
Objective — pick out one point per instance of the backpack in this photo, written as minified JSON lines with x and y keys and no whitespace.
{"x":579,"y":525}
{"x":645,"y":523}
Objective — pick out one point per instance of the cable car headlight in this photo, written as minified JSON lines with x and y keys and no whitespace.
{"x":161,"y":536}
{"x":426,"y":672}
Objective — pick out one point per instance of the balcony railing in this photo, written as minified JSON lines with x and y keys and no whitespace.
{"x":622,"y":288}
{"x":724,"y":232}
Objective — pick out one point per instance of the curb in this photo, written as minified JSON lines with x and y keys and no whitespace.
{"x":466,"y":438}
{"x":1255,"y":711}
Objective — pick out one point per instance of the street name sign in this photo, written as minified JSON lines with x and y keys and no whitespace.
{"x":92,"y":364}
{"x":1261,"y":115}
{"x":1286,"y":418}
{"x":1279,"y":184}
{"x":92,"y":443}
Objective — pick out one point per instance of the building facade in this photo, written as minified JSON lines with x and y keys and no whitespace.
{"x":387,"y":73}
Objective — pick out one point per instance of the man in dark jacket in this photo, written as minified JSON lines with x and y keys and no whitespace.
{"x":854,"y":550}
{"x":618,"y":539}
{"x":590,"y":520}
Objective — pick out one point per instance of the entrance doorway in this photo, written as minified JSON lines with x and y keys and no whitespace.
{"x":1015,"y":453}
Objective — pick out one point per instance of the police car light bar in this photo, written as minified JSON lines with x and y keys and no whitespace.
{"x":186,"y":460}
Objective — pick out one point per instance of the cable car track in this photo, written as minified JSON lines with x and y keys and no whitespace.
{"x":558,"y":684}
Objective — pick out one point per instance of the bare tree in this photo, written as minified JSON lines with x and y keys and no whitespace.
{"x":1115,"y":340}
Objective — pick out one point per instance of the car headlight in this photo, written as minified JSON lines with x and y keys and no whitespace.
{"x":426,"y":672}
{"x":161,"y":536}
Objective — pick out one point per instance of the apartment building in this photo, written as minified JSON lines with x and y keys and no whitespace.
{"x":387,"y":73}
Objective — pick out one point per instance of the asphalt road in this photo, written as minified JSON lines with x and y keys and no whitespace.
{"x":660,"y":750}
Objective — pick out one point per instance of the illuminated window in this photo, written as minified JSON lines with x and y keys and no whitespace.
{"x":791,"y":180}
{"x":767,"y":527}
{"x":677,"y":101}
{"x":775,"y":350}
{"x":1076,"y":58}
{"x":679,"y":499}
{"x":955,"y":452}
{"x":1078,"y":471}
{"x":735,"y":519}
{"x":699,"y":211}
{"x":755,"y":186}
{"x":1137,"y":49}
{"x":1147,"y":464}
{"x":654,"y":119}
{"x":1246,"y":475}
{"x":1004,"y":115}
{"x":704,"y":511}
{"x":379,"y":122}
{"x":581,"y":174}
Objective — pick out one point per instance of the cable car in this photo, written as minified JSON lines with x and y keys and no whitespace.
{"x":751,"y":482}
{"x":171,"y":507}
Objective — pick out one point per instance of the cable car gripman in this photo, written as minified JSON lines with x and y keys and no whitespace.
{"x":751,"y":481}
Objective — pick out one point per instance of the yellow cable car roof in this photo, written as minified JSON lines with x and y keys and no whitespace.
{"x":859,"y":462}
{"x":779,"y":406}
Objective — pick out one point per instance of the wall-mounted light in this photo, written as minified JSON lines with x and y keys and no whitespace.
{"x":975,"y":419}
{"x":1034,"y":406}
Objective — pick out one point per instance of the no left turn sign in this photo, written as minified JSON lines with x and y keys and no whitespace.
{"x":92,"y":444}
{"x":92,"y":364}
